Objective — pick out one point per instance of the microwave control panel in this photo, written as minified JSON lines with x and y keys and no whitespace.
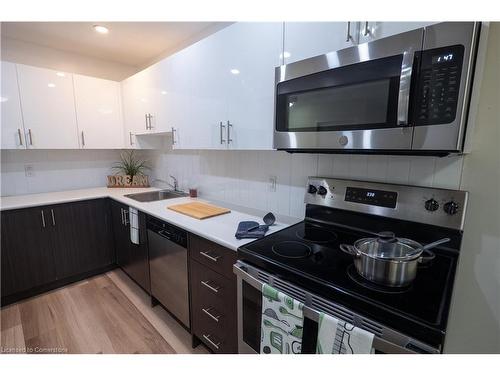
{"x":439,"y":85}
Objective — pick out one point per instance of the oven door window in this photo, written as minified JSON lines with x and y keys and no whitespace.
{"x":355,"y":97}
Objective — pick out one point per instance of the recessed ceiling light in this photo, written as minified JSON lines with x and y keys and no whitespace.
{"x":235,"y":71}
{"x":101,"y":29}
{"x":60,"y":74}
{"x":164,"y":92}
{"x":51,"y":85}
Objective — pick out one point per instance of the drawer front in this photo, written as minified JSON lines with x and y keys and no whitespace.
{"x":219,"y":339}
{"x":213,"y":313}
{"x":212,"y":255}
{"x":211,"y":284}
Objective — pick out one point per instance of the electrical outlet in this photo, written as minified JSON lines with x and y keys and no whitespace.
{"x":29,"y":171}
{"x":273,"y":180}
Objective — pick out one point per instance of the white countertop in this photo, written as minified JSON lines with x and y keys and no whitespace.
{"x":219,"y":229}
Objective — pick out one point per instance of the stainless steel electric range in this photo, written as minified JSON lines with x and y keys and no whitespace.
{"x":305,"y":262}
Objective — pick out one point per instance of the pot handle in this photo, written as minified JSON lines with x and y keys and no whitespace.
{"x":426,"y":259}
{"x":348,"y":249}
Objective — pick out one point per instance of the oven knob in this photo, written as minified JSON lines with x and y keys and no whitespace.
{"x":431,"y":205}
{"x":343,"y":140}
{"x":322,"y":190}
{"x":312,"y":189}
{"x":451,"y":208}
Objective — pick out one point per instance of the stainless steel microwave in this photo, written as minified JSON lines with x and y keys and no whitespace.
{"x":404,"y":94}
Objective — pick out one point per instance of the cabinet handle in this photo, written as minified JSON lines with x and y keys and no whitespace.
{"x":229,"y":126}
{"x":123,"y":220}
{"x":207,"y":255}
{"x":20,"y":137}
{"x":150,"y":116}
{"x":130,"y":137}
{"x":30,"y":136}
{"x":53,"y":217}
{"x":207,"y":337}
{"x":43,"y":219}
{"x":367,"y":30}
{"x":173,"y":136}
{"x":348,"y":36}
{"x":83,"y":139}
{"x":207,"y":311}
{"x":212,"y":288}
{"x":222,"y":140}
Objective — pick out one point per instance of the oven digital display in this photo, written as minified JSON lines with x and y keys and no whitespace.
{"x":442,"y":58}
{"x":371,"y":197}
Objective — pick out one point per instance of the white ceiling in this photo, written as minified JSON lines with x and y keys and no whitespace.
{"x":131,"y":43}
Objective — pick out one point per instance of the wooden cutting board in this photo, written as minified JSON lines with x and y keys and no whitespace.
{"x":199,"y":210}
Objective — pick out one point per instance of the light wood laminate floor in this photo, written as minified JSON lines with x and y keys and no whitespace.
{"x":105,"y":314}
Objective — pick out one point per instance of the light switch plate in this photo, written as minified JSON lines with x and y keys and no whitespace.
{"x":29,"y":171}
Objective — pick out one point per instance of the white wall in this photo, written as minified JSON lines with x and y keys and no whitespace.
{"x":474,"y":325}
{"x":21,"y":52}
{"x":242,"y":177}
{"x":55,"y":170}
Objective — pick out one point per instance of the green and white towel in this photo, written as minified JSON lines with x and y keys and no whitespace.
{"x":338,"y":337}
{"x":282,"y":323}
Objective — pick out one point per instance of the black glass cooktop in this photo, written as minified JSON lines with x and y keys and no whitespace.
{"x":308,"y":255}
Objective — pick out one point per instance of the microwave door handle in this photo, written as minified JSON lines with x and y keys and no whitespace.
{"x":407,"y":82}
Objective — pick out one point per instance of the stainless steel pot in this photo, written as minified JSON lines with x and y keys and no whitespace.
{"x":388,"y":260}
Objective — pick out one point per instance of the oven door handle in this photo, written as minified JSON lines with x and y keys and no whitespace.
{"x":379,"y":343}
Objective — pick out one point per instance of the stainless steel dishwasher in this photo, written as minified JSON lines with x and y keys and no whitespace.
{"x":169,"y":267}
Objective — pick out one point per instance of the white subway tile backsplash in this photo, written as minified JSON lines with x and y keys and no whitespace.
{"x":238,"y":177}
{"x":242,"y":177}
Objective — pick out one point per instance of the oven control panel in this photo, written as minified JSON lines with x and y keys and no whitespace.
{"x":441,"y":207}
{"x":438,"y":86}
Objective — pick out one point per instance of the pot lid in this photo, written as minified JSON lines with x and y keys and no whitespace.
{"x":387,"y":246}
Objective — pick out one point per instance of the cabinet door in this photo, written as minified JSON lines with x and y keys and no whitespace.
{"x":82,"y":237}
{"x":48,"y":108}
{"x":253,"y":51}
{"x":27,"y":252}
{"x":136,"y":98}
{"x":199,"y":94}
{"x":98,"y":111}
{"x":12,"y":119}
{"x":138,"y":262}
{"x":369,"y":31}
{"x":307,"y":39}
{"x":121,"y":233}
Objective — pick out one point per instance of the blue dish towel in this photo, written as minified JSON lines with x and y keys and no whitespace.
{"x":245,"y":230}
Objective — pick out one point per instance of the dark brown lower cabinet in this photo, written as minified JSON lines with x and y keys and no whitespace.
{"x":83,"y":239}
{"x":27,"y":250}
{"x":132,"y":258}
{"x":213,"y":295}
{"x":46,"y":246}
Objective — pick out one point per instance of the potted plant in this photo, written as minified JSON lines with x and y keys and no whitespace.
{"x":130,"y":171}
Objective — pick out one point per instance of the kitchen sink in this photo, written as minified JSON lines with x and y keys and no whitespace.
{"x":160,"y":195}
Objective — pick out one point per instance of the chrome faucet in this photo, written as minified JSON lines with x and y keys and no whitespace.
{"x":174,"y":185}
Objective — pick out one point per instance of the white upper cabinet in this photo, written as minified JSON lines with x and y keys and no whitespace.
{"x":48,"y":108}
{"x":99,"y":113}
{"x":369,"y":31}
{"x":253,"y":52}
{"x":225,"y":86}
{"x":144,"y":101}
{"x":12,"y":120}
{"x":307,"y":39}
